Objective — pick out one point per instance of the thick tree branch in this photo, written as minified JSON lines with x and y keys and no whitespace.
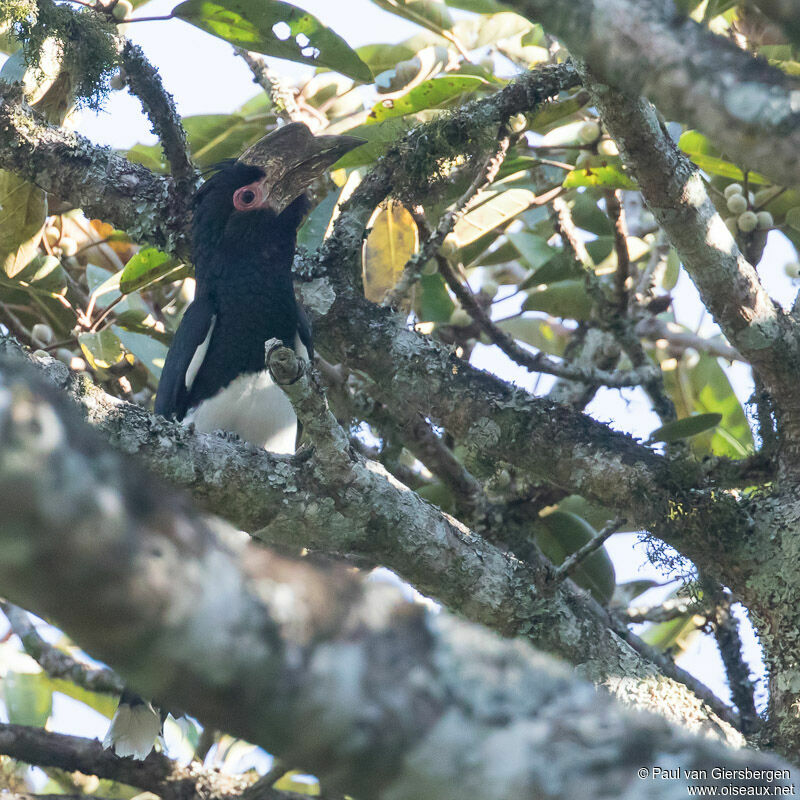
{"x":646,"y":47}
{"x":729,"y":286}
{"x":157,"y":774}
{"x":358,"y":512}
{"x":96,"y":179}
{"x":385,"y":684}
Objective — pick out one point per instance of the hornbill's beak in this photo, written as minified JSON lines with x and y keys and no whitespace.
{"x":292,"y":158}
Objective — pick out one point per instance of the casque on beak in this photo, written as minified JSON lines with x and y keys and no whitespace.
{"x":292,"y":158}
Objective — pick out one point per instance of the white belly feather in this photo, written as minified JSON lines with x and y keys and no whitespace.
{"x":253,"y":408}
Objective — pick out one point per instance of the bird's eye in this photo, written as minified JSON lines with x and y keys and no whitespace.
{"x":245,"y":198}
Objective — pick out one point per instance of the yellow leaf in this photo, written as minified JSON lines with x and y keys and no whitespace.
{"x":22,"y":215}
{"x":394,"y":238}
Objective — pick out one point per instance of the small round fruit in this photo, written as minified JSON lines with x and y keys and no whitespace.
{"x":608,"y":147}
{"x":449,"y":247}
{"x":747,"y":222}
{"x":765,"y":222}
{"x":733,"y":188}
{"x":460,"y":318}
{"x":584,"y":160}
{"x":52,"y":234}
{"x":737,"y":204}
{"x":730,"y":224}
{"x":589,"y":132}
{"x":430,"y":267}
{"x":68,"y":246}
{"x":41,"y":354}
{"x":792,"y":269}
{"x":42,"y":334}
{"x":122,"y":10}
{"x":518,"y":123}
{"x":64,"y":354}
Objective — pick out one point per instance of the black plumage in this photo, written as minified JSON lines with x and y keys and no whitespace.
{"x":246,"y":218}
{"x":244,"y":297}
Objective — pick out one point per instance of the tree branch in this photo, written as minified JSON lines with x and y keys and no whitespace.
{"x":692,"y":75}
{"x":56,"y":663}
{"x":144,"y":81}
{"x":386,"y":683}
{"x":356,"y":512}
{"x":149,"y":207}
{"x":729,"y":286}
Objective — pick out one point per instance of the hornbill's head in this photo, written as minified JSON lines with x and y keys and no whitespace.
{"x":263,"y":192}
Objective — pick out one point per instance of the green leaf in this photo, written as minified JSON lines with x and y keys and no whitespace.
{"x":313,"y":231}
{"x":28,"y":698}
{"x":104,"y":704}
{"x":695,"y":143}
{"x":496,"y":211}
{"x":214,"y":137}
{"x":567,"y":299}
{"x":276,"y":29}
{"x":607,"y":177}
{"x":671,"y":271}
{"x":716,"y":7}
{"x":429,"y":94}
{"x":588,"y":216}
{"x":427,"y":13}
{"x":534,"y":249}
{"x":676,"y":635}
{"x":145,"y":268}
{"x":560,"y":534}
{"x":718,"y":166}
{"x":555,"y":110}
{"x":102,"y":349}
{"x":704,"y":155}
{"x":685,"y":428}
{"x":148,"y":350}
{"x":537,"y":332}
{"x":148,"y":155}
{"x":378,"y":137}
{"x":433,"y":302}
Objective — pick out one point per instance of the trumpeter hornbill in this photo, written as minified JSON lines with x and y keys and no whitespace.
{"x":244,"y":233}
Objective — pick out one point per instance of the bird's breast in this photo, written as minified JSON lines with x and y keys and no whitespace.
{"x":254,"y":408}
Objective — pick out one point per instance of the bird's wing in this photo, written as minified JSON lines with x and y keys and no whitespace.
{"x":304,"y":331}
{"x":185,"y":358}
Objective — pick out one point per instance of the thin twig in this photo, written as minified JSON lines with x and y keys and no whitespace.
{"x":670,"y":609}
{"x":617,"y":213}
{"x":539,"y":362}
{"x":56,"y":663}
{"x":483,"y":178}
{"x":729,"y":643}
{"x":280,"y":93}
{"x":144,"y":81}
{"x":654,"y":328}
{"x":569,"y":564}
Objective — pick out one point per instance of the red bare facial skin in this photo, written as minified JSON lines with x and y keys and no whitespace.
{"x":250,"y":197}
